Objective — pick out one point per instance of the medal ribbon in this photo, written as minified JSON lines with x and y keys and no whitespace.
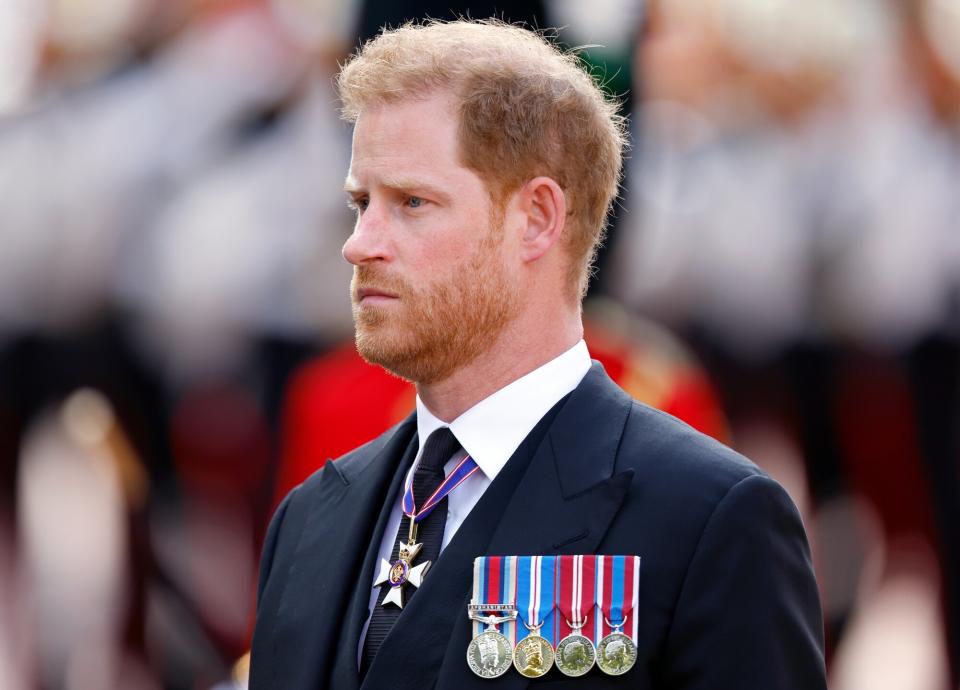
{"x":576,"y":594}
{"x":458,"y":476}
{"x":536,"y":587}
{"x":494,"y":582}
{"x":618,"y":586}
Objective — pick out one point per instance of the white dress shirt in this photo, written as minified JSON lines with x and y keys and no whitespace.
{"x":490,"y":432}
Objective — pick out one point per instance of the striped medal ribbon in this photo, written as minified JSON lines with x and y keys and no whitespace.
{"x":536,"y":586}
{"x":576,"y":597}
{"x":618,"y":586}
{"x":493,"y":613}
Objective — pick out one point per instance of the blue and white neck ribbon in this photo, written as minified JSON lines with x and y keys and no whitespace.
{"x":536,"y":587}
{"x":458,"y":476}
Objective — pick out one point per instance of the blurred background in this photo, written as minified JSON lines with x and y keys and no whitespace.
{"x":783,"y":272}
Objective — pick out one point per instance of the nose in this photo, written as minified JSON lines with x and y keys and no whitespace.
{"x":368,"y":241}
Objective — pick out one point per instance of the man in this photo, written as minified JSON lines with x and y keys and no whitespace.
{"x":484,"y":163}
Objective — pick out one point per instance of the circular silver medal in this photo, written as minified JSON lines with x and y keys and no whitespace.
{"x":489,"y":654}
{"x":575,"y":655}
{"x":616,"y":654}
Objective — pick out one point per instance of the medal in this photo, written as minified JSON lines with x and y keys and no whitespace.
{"x":490,"y":652}
{"x":576,"y":654}
{"x":402,"y":571}
{"x":618,"y":586}
{"x":533,"y":656}
{"x":616,"y":653}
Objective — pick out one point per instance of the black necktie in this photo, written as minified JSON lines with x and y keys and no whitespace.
{"x":439,"y":448}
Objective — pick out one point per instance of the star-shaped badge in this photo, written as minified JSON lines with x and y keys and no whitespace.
{"x":401,"y":572}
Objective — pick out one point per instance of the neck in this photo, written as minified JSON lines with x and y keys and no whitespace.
{"x":517,"y":351}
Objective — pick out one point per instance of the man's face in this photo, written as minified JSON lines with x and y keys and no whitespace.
{"x":433,"y":282}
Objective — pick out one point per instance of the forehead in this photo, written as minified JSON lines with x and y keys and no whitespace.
{"x":410,"y":138}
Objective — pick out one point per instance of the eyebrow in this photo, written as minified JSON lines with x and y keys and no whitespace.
{"x":407,"y":184}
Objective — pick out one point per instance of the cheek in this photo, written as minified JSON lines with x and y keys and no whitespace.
{"x":431,"y":257}
{"x":450,"y":241}
{"x":447,"y":237}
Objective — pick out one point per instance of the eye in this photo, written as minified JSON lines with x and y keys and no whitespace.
{"x":415,"y":202}
{"x":358,"y":203}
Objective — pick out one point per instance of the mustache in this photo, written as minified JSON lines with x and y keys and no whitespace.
{"x":371,"y":278}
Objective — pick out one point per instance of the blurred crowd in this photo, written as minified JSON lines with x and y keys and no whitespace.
{"x":175,"y":319}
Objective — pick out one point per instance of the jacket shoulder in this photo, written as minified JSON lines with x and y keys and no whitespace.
{"x":678,"y":460}
{"x":350,"y":463}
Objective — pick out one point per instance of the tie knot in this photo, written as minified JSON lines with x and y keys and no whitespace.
{"x":440,"y":447}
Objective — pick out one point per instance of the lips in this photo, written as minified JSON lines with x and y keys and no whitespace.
{"x":372,"y":295}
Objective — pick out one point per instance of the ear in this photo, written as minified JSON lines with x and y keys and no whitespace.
{"x":545,"y":209}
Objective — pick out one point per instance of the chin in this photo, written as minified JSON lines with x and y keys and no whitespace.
{"x":407,"y":360}
{"x":378,"y":348}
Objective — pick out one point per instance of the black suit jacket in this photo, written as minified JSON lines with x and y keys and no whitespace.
{"x":727,"y":594}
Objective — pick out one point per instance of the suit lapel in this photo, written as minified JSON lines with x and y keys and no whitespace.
{"x":570,"y":494}
{"x":557,"y":494}
{"x":331,"y":559}
{"x":345,"y":674}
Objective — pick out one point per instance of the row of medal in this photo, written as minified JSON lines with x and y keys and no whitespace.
{"x":537,"y":612}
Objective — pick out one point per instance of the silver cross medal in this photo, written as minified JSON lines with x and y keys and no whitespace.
{"x":402,"y":572}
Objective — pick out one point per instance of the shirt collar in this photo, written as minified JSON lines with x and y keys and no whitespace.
{"x":494,"y":428}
